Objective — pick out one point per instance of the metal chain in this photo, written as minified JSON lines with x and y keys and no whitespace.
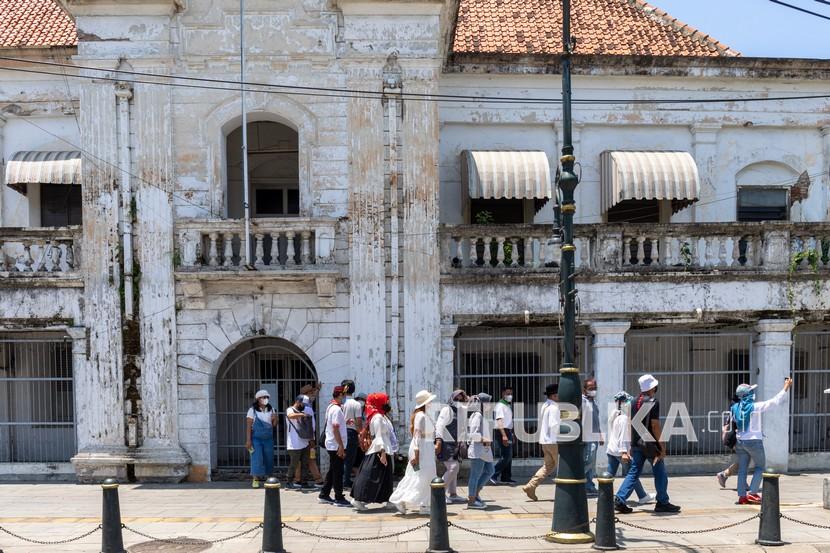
{"x":680,"y":532}
{"x":496,"y":536}
{"x":805,"y":523}
{"x":191,"y":541}
{"x":346,"y":538}
{"x":57,"y":542}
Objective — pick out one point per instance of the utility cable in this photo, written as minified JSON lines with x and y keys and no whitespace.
{"x":803,"y":10}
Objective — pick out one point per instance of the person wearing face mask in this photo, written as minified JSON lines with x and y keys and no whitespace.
{"x":259,"y":437}
{"x":504,"y":438}
{"x":549,"y":421}
{"x":479,"y":452}
{"x":447,"y":443}
{"x":373,"y":483}
{"x":591,"y":435}
{"x":646,"y":447}
{"x":750,"y":445}
{"x":335,"y":442}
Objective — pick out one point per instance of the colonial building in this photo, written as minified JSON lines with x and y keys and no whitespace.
{"x":401,"y":185}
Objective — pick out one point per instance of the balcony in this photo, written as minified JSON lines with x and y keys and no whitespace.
{"x":39,"y":253}
{"x":766,"y":247}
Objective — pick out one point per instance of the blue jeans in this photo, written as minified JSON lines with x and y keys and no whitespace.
{"x":504,"y":467}
{"x":614,"y":464}
{"x":480,"y":472}
{"x":589,"y":457}
{"x":262,"y":459}
{"x":661,"y":477}
{"x":746,"y":450}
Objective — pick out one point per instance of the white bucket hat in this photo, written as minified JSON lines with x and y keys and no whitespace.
{"x":262,"y":393}
{"x":423,"y":397}
{"x":647,"y":382}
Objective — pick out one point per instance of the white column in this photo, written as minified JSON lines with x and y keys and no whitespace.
{"x":2,"y":164}
{"x":825,"y":147}
{"x":705,"y":139}
{"x":609,"y":364}
{"x":773,"y":354}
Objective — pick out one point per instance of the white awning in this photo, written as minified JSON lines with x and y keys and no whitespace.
{"x":648,"y":176}
{"x":43,"y":167}
{"x":511,"y":174}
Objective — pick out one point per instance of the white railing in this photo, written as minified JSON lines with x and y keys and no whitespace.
{"x":507,"y":247}
{"x":295,"y":243}
{"x":39,"y":251}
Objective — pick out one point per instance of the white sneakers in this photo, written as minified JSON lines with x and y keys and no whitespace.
{"x":358,"y":505}
{"x":649,"y":498}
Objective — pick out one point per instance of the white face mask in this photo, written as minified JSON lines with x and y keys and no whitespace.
{"x":508,"y":398}
{"x":592,"y":393}
{"x":263,"y":401}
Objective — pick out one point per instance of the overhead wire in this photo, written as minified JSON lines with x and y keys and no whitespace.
{"x":803,"y":10}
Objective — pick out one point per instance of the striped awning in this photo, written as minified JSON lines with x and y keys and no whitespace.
{"x":519,"y":175}
{"x":43,"y":167}
{"x":630,"y":175}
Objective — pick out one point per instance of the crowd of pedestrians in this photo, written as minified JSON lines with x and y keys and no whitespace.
{"x":361,"y":445}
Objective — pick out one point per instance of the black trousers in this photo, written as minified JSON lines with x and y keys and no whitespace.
{"x":334,"y":477}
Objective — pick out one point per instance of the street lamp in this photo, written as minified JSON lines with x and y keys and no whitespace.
{"x":570,"y":513}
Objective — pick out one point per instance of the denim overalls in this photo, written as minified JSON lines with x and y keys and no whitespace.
{"x":262,"y":459}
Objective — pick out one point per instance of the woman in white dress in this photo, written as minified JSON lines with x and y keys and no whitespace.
{"x":413,"y":492}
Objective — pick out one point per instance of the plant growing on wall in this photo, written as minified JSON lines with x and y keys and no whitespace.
{"x":485,"y":217}
{"x":686,"y":254}
{"x":812,"y":257}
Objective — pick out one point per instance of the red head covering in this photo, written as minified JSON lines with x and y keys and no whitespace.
{"x":374,"y":405}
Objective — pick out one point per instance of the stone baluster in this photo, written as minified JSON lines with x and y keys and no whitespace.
{"x":626,"y":251}
{"x":228,"y":255}
{"x":69,"y":256}
{"x":500,"y":251}
{"x":514,"y":252}
{"x":528,"y":257}
{"x":472,"y":259}
{"x":259,"y":249}
{"x":641,"y":251}
{"x":674,"y":251}
{"x":543,"y":246}
{"x":290,"y":250}
{"x":487,"y":254}
{"x":275,"y":249}
{"x":708,"y":254}
{"x":55,"y":256}
{"x":305,"y":248}
{"x":666,"y":251}
{"x":456,"y":251}
{"x":3,"y":266}
{"x":722,"y":251}
{"x":27,"y":256}
{"x":736,"y":251}
{"x":213,"y":249}
{"x":751,"y":259}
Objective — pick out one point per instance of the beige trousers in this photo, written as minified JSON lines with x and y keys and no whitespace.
{"x":550,"y":451}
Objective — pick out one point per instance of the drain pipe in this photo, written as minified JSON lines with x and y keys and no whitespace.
{"x":124,"y":93}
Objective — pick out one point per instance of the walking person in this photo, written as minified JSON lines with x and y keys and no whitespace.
{"x":373,"y":483}
{"x":750,"y":446}
{"x":448,"y":448}
{"x":299,"y":430}
{"x":591,"y":434}
{"x":730,"y":440}
{"x":313,"y":469}
{"x":335,"y":442}
{"x":358,"y":458}
{"x":647,"y":447}
{"x":504,"y":432}
{"x":619,"y":444}
{"x":259,"y":437}
{"x":549,"y":420}
{"x":480,"y":451}
{"x":413,"y":492}
{"x":353,"y":411}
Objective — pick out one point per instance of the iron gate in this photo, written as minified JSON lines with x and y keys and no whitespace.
{"x":698,"y":368}
{"x":528,"y":359}
{"x":37,"y":408}
{"x":272,"y":364}
{"x":809,"y":405}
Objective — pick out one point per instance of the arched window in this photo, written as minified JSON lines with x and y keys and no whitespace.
{"x":273,"y":170}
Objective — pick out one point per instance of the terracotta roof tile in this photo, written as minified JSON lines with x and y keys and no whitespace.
{"x":614,"y":27}
{"x":35,"y":24}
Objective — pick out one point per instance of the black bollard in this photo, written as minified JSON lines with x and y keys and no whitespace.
{"x":769,"y":529}
{"x":111,"y":539}
{"x":605,"y":532}
{"x":272,"y":520}
{"x":439,"y":531}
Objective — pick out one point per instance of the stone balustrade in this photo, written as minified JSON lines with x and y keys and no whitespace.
{"x":39,"y":251}
{"x":282,"y":244}
{"x":764,"y":246}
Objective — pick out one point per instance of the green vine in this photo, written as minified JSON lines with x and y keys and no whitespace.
{"x":686,"y":254}
{"x":812,"y":257}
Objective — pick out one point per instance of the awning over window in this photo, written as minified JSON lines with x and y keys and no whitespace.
{"x":511,"y":175}
{"x":43,"y":167}
{"x":648,"y":176}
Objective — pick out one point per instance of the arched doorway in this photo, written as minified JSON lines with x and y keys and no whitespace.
{"x":270,"y":363}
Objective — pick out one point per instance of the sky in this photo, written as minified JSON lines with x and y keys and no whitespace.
{"x":758,"y":28}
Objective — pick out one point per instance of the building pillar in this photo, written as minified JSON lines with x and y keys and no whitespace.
{"x":773,"y":357}
{"x":609,"y":370}
{"x":159,"y":457}
{"x":99,"y":378}
{"x":705,"y":140}
{"x":825,"y":148}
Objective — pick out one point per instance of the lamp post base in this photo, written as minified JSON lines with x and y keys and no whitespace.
{"x":570,"y":538}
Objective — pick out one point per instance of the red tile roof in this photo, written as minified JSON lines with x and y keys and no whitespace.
{"x":612,"y":27}
{"x":35,"y":24}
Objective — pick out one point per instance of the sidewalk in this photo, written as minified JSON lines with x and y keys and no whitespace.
{"x":212,"y":511}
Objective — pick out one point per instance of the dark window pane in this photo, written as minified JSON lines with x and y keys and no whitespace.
{"x":269,"y":201}
{"x":762,"y":204}
{"x":501,"y":212}
{"x":635,"y":211}
{"x":60,"y":205}
{"x":293,"y":201}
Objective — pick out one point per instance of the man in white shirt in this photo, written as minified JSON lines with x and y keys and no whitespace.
{"x":549,"y":420}
{"x":503,"y":414}
{"x":299,"y":431}
{"x":336,"y":447}
{"x":353,"y":411}
{"x":592,"y":436}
